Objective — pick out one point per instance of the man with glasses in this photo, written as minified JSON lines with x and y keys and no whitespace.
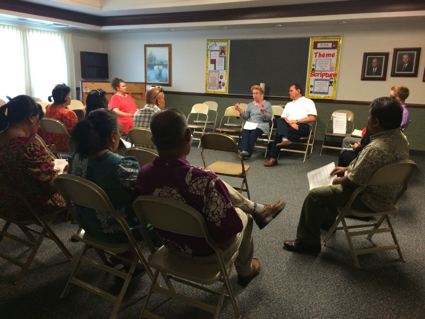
{"x":155,"y":102}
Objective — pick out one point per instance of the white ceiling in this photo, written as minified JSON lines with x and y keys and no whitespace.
{"x":104,"y":8}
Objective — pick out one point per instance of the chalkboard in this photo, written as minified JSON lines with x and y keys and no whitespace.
{"x":276,"y":62}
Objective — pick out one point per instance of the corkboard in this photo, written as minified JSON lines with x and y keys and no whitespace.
{"x":136,"y":90}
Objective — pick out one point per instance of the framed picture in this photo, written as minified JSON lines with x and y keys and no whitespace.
{"x":406,"y":62}
{"x":158,"y":64}
{"x":375,"y":66}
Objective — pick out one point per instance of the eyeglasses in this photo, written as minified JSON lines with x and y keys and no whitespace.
{"x":160,"y":91}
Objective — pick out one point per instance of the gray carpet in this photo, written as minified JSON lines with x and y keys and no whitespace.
{"x":290,"y":285}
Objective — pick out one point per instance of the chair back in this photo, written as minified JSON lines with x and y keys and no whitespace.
{"x":76,"y":105}
{"x":143,"y":155}
{"x":349,"y":114}
{"x":243,"y":106}
{"x":219,"y":142}
{"x":43,"y":105}
{"x":231,"y":111}
{"x":200,"y":108}
{"x":277,"y":110}
{"x":53,"y":126}
{"x":212,"y":106}
{"x":172,"y":216}
{"x":139,"y":135}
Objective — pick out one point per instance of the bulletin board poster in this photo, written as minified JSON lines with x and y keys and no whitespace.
{"x":217,"y":69}
{"x":323,"y":64}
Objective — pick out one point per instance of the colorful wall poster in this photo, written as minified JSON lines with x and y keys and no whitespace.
{"x":323,"y":64}
{"x":217,"y":68}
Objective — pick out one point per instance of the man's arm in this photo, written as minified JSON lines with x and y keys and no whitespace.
{"x":121,"y":113}
{"x":310,"y":118}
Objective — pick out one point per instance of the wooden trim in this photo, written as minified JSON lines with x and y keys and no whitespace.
{"x":298,"y":10}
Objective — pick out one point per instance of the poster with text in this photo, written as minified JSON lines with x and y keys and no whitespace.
{"x":217,"y":69}
{"x":323,"y":64}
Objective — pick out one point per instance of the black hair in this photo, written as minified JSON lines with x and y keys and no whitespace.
{"x":96,"y":99}
{"x":18,"y":109}
{"x":168,"y":129}
{"x":91,"y":135}
{"x":59,"y":93}
{"x":298,"y":87}
{"x":116,"y":83}
{"x":389,"y":112}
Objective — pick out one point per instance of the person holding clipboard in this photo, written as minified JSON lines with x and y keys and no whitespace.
{"x":258,"y":114}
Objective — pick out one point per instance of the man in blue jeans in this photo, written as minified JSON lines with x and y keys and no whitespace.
{"x":297,"y":117}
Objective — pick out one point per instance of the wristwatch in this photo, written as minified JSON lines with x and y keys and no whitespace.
{"x":297,"y":122}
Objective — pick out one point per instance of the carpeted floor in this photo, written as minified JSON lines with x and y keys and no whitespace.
{"x":290,"y":285}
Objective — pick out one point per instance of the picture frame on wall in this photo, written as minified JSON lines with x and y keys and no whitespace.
{"x":158,"y":64}
{"x":375,"y":66}
{"x":406,"y":62}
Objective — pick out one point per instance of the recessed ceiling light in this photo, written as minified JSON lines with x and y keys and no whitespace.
{"x":224,"y":28}
{"x":343,"y":22}
{"x":170,"y":29}
{"x":278,"y":25}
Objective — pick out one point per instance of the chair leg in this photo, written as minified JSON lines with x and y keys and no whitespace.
{"x":395,"y":238}
{"x":149,"y":295}
{"x":74,"y":270}
{"x":4,"y":229}
{"x":350,"y":243}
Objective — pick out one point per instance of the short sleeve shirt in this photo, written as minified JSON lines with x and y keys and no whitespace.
{"x":142,"y":118}
{"x":299,"y":109}
{"x":124,"y":104}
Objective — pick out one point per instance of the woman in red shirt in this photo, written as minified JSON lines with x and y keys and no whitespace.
{"x":57,"y":110}
{"x":122,"y":104}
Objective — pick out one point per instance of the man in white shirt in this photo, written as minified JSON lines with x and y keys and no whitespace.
{"x":297,"y":117}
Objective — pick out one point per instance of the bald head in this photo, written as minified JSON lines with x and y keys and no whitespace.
{"x":156,"y":96}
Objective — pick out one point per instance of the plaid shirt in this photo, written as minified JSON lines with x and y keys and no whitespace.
{"x":142,"y":118}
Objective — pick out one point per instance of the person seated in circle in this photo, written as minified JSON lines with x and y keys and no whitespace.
{"x":28,"y":164}
{"x":58,"y":110}
{"x":259,"y":112}
{"x":96,"y":139}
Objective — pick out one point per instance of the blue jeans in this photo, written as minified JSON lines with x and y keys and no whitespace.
{"x":286,"y":130}
{"x":249,"y":138}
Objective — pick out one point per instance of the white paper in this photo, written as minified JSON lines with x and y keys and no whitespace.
{"x":219,"y":63}
{"x":340,"y":123}
{"x":126,"y":144}
{"x":250,"y":125}
{"x":60,"y":165}
{"x":214,"y":55}
{"x":321,"y":176}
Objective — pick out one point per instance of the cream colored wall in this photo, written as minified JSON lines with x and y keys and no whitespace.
{"x":126,"y":55}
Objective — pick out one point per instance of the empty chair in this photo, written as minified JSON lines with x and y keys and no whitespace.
{"x":143,"y":155}
{"x":32,"y":238}
{"x":198,"y":113}
{"x":53,"y":126}
{"x":76,"y":105}
{"x":176,"y":217}
{"x":78,"y":191}
{"x":212,"y":108}
{"x":141,"y":137}
{"x":394,"y":174}
{"x":231,"y":123}
{"x":225,"y":143}
{"x":334,"y":140}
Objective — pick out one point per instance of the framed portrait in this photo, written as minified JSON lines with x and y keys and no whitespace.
{"x":406,"y":62}
{"x":375,"y":66}
{"x":158,"y":64}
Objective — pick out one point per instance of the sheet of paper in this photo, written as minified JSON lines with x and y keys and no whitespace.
{"x":250,"y":125}
{"x":321,"y":176}
{"x":340,"y":123}
{"x":60,"y":165}
{"x":357,"y":133}
{"x":126,"y":144}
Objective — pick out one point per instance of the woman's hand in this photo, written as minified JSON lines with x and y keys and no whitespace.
{"x":263,"y":110}
{"x":355,"y":145}
{"x":238,"y":108}
{"x":338,"y":171}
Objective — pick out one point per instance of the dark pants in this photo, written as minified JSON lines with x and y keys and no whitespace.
{"x":286,"y":130}
{"x":249,"y":138}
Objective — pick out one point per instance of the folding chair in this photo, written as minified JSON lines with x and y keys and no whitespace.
{"x":264,"y":140}
{"x":141,"y":137}
{"x":43,"y":105}
{"x":394,"y":174}
{"x":199,"y":124}
{"x":212,"y":107}
{"x":76,"y":105}
{"x":30,"y":241}
{"x":79,"y":191}
{"x":222,"y":142}
{"x":177,"y":217}
{"x":334,"y":140}
{"x":231,"y":123}
{"x":303,"y":145}
{"x":143,"y":155}
{"x":53,"y":126}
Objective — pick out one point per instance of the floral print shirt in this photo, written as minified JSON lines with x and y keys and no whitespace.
{"x":68,"y":118}
{"x":116,"y":175}
{"x":27,"y":163}
{"x":176,"y":179}
{"x":385,"y":148}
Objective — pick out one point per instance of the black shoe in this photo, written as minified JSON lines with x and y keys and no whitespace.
{"x":299,"y":246}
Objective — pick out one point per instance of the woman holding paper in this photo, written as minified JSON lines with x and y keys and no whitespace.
{"x":25,"y":161}
{"x":258,"y":114}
